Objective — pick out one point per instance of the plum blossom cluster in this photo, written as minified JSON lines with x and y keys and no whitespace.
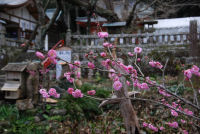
{"x":68,"y":77}
{"x":75,"y":93}
{"x":102,"y":34}
{"x":156,"y":64}
{"x":152,"y":127}
{"x":178,"y":107}
{"x":193,"y":71}
{"x":73,"y":71}
{"x":107,"y":45}
{"x":91,"y":92}
{"x":161,"y":91}
{"x":173,"y":124}
{"x":52,"y":92}
{"x":51,"y":56}
{"x":78,"y":94}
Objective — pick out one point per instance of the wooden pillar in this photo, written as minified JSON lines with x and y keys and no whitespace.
{"x":194,"y":47}
{"x":68,"y":34}
{"x":77,"y":25}
{"x":2,"y":34}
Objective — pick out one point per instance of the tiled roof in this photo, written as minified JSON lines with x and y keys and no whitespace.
{"x":12,"y":2}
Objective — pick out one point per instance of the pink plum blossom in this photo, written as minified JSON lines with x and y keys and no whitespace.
{"x":149,"y":81}
{"x":113,"y":63}
{"x":106,"y":44}
{"x":103,"y":54}
{"x":174,"y":104}
{"x":91,"y":53}
{"x":152,"y":63}
{"x":91,"y":92}
{"x":116,"y":78}
{"x":163,"y":92}
{"x":102,"y":34}
{"x":129,"y":69}
{"x":159,"y":65}
{"x":185,"y":132}
{"x":155,"y":129}
{"x":68,"y":77}
{"x":70,"y":90}
{"x":130,"y":54}
{"x":183,"y":121}
{"x":45,"y":95}
{"x":42,"y":91}
{"x":52,"y":92}
{"x":138,"y":59}
{"x":156,"y":64}
{"x":23,"y":45}
{"x":187,"y":111}
{"x":173,"y":124}
{"x":52,"y":54}
{"x":53,"y":60}
{"x":144,"y":86}
{"x":174,"y":113}
{"x":194,"y":69}
{"x":57,"y":95}
{"x":145,"y":124}
{"x":161,"y":128}
{"x":40,"y":55}
{"x":91,"y":65}
{"x":111,"y":73}
{"x":86,"y":55}
{"x":71,"y":66}
{"x":117,"y":85}
{"x":128,"y":83}
{"x":188,"y":73}
{"x":137,"y":50}
{"x":77,"y":63}
{"x":67,"y":74}
{"x":78,"y":75}
{"x":77,"y":93}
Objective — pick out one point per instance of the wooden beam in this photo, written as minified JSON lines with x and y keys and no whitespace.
{"x":18,"y":17}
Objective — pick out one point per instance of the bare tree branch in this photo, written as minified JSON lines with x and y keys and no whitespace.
{"x":53,"y":19}
{"x":108,"y":14}
{"x":132,"y":13}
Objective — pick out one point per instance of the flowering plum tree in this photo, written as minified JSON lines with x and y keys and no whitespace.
{"x":127,"y":81}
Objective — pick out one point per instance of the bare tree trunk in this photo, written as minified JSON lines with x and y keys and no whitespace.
{"x":43,"y":27}
{"x":41,"y":21}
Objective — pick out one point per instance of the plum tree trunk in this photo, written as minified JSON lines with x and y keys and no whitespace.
{"x":129,"y":117}
{"x":127,"y":110}
{"x":126,"y":107}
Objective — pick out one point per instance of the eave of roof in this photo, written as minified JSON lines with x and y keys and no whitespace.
{"x":13,"y":3}
{"x":15,"y":67}
{"x":114,"y":24}
{"x":85,"y":19}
